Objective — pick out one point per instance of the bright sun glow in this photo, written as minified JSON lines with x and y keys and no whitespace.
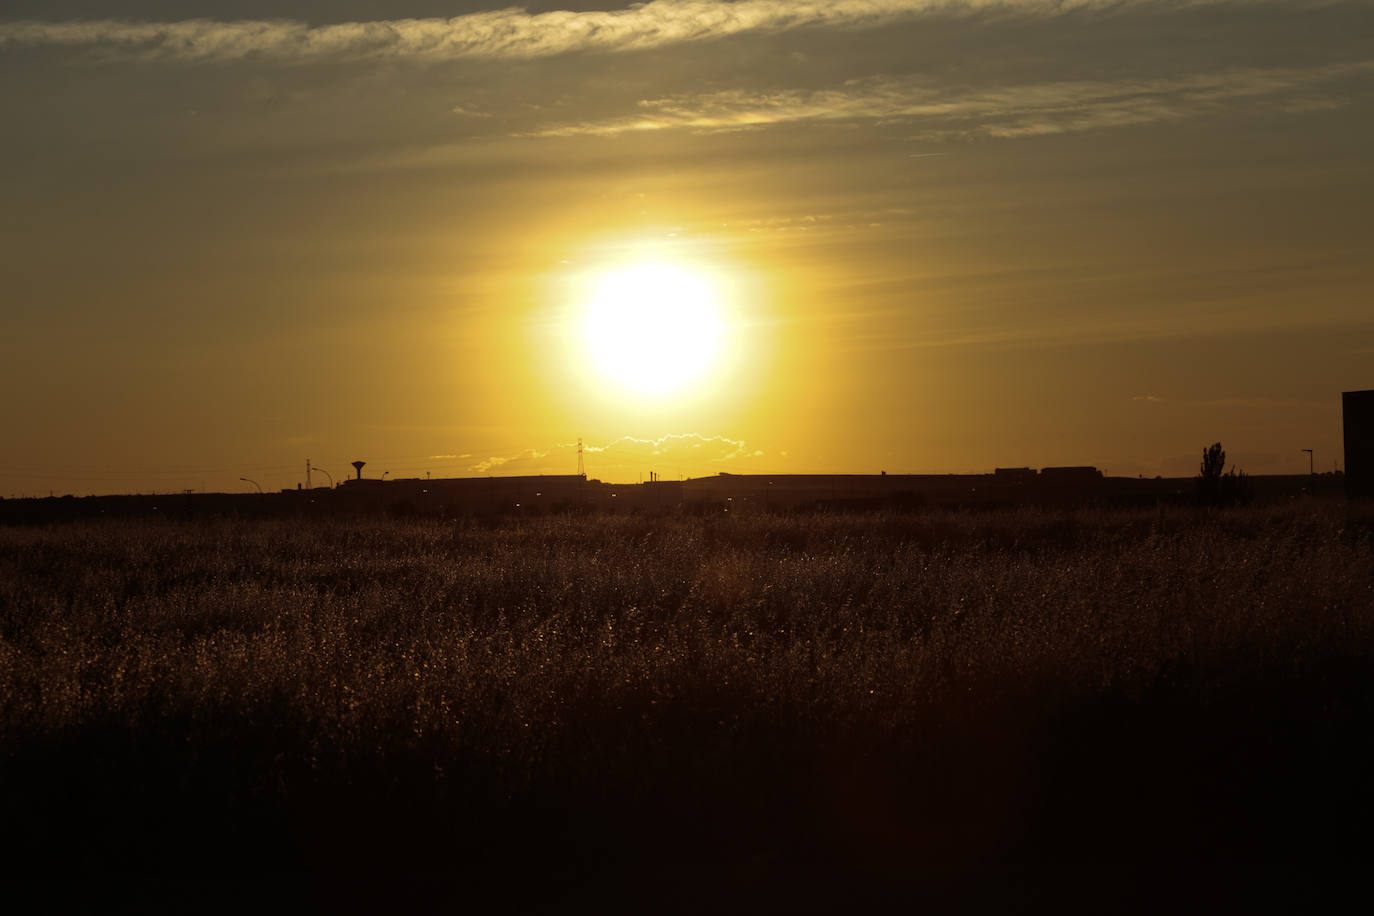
{"x":653,"y":327}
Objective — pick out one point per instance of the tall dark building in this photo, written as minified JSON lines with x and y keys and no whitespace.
{"x":1358,"y":409}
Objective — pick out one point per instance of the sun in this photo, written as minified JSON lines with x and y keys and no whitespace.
{"x":653,"y":327}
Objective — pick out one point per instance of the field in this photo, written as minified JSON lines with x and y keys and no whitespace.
{"x":767,"y":712}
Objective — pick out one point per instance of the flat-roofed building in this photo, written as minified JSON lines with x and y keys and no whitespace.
{"x":1357,"y":408}
{"x":1081,"y":474}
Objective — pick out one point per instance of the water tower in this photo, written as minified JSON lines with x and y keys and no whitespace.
{"x":358,"y":466}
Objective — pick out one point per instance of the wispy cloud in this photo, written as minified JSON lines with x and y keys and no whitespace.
{"x":516,"y":33}
{"x":1257,"y":403}
{"x":1263,"y":403}
{"x":732,"y":448}
{"x":1007,"y":111}
{"x":691,"y":452}
{"x":496,"y":461}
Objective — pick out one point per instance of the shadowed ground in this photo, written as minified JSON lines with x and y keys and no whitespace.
{"x":759,"y":713}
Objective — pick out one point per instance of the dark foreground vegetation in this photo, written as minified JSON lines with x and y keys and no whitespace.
{"x":761,"y":713}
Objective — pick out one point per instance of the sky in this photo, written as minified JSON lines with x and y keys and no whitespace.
{"x":926,"y":236}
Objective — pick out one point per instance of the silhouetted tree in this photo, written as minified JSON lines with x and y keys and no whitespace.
{"x":1217,"y":486}
{"x":1213,"y":461}
{"x":1209,"y":477}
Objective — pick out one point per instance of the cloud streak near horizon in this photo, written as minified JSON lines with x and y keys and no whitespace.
{"x":516,"y":33}
{"x":687,"y":448}
{"x":735,"y":448}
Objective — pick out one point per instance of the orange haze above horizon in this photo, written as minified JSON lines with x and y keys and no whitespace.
{"x":238,"y":238}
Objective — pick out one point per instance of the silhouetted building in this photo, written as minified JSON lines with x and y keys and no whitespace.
{"x":1082,"y":474}
{"x":1358,"y":410}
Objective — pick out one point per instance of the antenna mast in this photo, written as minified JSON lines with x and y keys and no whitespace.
{"x":581,"y":468}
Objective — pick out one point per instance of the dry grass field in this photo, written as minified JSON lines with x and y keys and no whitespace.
{"x":777,"y":712}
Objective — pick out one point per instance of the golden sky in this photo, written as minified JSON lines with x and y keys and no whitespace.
{"x":899,"y":235}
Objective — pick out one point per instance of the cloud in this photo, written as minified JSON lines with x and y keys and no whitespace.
{"x":626,"y":456}
{"x":515,"y":33}
{"x":1259,"y":403}
{"x":1273,"y":403}
{"x":487,"y":464}
{"x":1006,"y":111}
{"x":732,"y":448}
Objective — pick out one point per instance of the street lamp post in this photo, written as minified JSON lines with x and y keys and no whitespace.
{"x":327,"y":474}
{"x":253,"y":482}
